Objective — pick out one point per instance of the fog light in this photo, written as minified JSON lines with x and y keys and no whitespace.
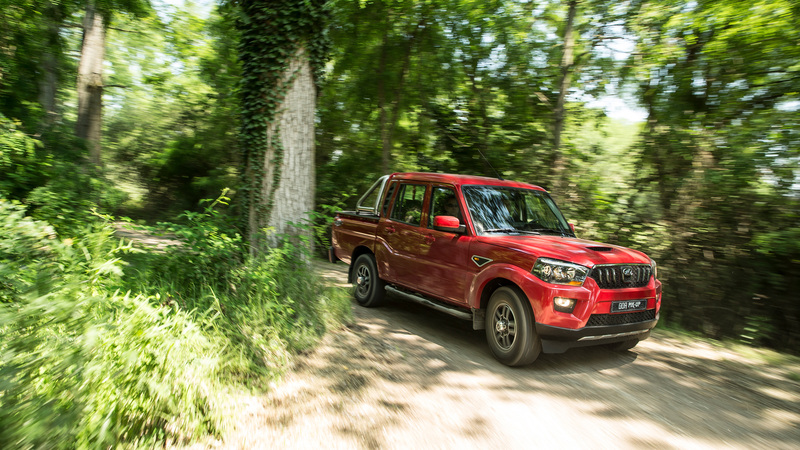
{"x":565,"y":305}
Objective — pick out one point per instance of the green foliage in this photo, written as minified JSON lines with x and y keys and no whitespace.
{"x":172,"y":130}
{"x":104,"y":346}
{"x":268,"y":304}
{"x":84,"y":365}
{"x":718,"y":80}
{"x":21,"y":164}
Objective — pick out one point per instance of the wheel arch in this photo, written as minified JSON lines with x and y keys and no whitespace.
{"x":505,"y":275}
{"x":358,"y":251}
{"x":491,"y":286}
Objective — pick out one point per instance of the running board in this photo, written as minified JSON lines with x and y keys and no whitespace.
{"x":453,"y":311}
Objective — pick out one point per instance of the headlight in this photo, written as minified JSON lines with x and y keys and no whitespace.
{"x":654,"y":266}
{"x":560,"y":272}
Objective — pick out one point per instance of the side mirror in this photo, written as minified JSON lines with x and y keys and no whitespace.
{"x":572,"y":227}
{"x":448,"y":224}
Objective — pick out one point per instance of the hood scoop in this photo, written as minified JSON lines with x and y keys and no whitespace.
{"x":601,"y":249}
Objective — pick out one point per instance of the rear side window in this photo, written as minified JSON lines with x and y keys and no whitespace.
{"x":408,"y":204}
{"x":388,"y":197}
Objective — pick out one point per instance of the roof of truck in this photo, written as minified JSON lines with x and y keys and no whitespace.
{"x":462,"y":179}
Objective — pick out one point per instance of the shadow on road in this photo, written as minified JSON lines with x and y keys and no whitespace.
{"x":405,"y":367}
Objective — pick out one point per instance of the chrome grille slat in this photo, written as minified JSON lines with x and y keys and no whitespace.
{"x":615,"y":276}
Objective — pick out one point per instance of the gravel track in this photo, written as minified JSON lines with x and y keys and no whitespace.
{"x":404,"y":376}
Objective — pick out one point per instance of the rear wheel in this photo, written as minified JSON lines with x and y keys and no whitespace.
{"x":368,"y":287}
{"x":510,"y":329}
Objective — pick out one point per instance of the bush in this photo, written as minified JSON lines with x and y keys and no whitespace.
{"x":97,"y":353}
{"x":22,"y":166}
{"x":84,"y":366}
{"x":269,"y":305}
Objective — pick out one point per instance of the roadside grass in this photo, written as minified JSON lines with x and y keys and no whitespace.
{"x":103,"y":345}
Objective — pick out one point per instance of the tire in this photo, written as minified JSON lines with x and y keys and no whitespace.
{"x":368,"y":288}
{"x":510,"y":328}
{"x":623,"y":346}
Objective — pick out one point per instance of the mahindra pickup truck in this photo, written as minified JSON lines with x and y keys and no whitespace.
{"x":498,"y":253}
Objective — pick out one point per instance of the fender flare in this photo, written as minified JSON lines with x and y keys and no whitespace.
{"x":511,"y":274}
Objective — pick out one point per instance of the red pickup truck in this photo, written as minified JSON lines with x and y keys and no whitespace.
{"x":498,"y":253}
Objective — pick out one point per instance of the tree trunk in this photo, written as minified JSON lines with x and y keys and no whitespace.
{"x":388,"y":119}
{"x":567,"y":62}
{"x":90,"y":82}
{"x":48,"y":81}
{"x":287,"y":188}
{"x":386,"y":139}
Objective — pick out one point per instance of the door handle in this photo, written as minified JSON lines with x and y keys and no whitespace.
{"x":429,"y":239}
{"x":390,"y":230}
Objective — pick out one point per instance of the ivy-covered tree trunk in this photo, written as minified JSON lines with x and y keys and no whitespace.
{"x":287,"y":188}
{"x":90,"y":82}
{"x":282,"y":49}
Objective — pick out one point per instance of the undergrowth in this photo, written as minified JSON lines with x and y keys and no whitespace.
{"x":106,"y":345}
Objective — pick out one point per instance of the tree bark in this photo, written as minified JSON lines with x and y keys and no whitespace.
{"x":565,"y":81}
{"x":48,"y":81}
{"x":90,"y":82}
{"x":287,"y":189}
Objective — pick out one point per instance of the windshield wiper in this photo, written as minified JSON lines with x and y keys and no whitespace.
{"x":547,"y":230}
{"x":509,"y":230}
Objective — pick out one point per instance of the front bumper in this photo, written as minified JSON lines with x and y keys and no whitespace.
{"x":558,"y":340}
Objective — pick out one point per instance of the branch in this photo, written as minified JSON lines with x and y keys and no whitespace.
{"x":77,"y":25}
{"x":126,"y":31}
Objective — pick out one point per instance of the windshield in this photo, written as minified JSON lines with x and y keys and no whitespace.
{"x":503,"y":210}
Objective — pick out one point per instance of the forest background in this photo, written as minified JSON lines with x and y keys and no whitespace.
{"x":703,"y":174}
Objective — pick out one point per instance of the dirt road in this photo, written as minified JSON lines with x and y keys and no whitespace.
{"x":404,"y":376}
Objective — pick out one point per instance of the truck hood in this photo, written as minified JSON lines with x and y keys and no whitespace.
{"x":579,"y":251}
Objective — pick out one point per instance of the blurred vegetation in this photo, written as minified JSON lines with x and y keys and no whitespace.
{"x":104,"y":344}
{"x":706,"y":181}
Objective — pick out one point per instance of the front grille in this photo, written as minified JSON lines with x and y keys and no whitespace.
{"x":620,"y":276}
{"x":600,"y":320}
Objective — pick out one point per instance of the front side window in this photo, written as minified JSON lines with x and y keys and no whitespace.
{"x":443,"y":203}
{"x":408,"y":204}
{"x":502,"y":210}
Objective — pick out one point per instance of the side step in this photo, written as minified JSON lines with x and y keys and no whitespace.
{"x":476,"y":315}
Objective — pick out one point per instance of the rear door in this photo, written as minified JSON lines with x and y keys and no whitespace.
{"x":402,"y":234}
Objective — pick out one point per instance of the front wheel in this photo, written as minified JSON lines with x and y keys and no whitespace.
{"x":510,"y":329}
{"x":368,"y":287}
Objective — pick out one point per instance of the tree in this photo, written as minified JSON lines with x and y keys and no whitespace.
{"x":90,"y":84}
{"x":173,"y":129}
{"x":282,"y":50}
{"x":90,"y":81}
{"x":719,"y":81}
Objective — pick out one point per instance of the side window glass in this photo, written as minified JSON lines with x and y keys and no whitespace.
{"x":444,"y":203}
{"x":388,"y":198}
{"x":408,"y":204}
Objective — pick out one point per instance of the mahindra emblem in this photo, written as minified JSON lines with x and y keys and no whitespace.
{"x":627,"y":274}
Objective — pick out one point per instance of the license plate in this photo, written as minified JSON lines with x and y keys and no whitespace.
{"x":628,"y":305}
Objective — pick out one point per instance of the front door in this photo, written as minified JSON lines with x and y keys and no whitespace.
{"x":448,"y":268}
